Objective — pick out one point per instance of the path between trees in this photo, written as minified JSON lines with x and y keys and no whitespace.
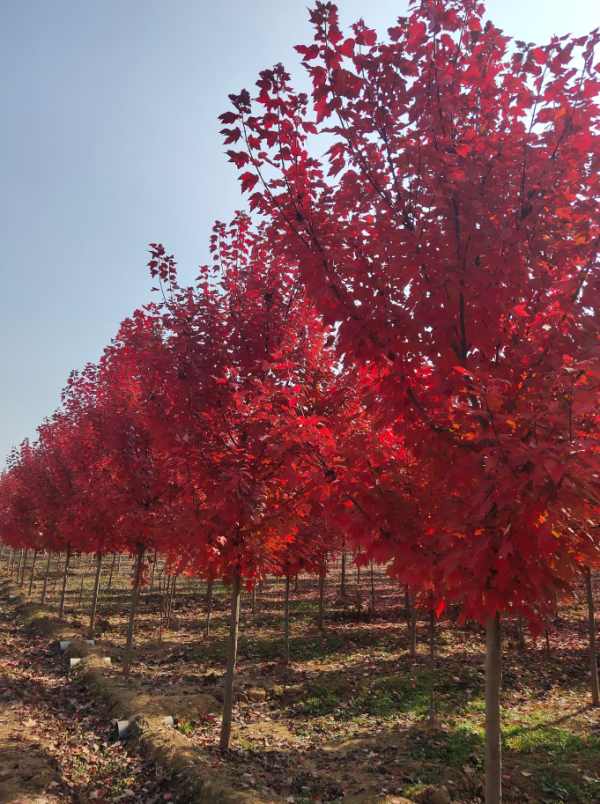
{"x":54,"y":732}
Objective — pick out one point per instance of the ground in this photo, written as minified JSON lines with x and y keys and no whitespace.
{"x":347,"y":721}
{"x":55,"y":742}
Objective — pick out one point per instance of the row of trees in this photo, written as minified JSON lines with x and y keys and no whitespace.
{"x":403,"y":354}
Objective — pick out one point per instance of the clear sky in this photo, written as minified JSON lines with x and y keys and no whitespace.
{"x":109,"y":141}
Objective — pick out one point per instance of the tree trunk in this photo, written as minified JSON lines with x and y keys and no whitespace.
{"x":57,"y":574}
{"x":95,"y":597}
{"x":18,"y":572}
{"x":343,"y":580}
{"x":372,"y":589}
{"x":548,"y":653}
{"x":321,"y":594}
{"x":431,"y":667}
{"x":520,"y":633}
{"x":170,"y":601}
{"x":64,"y":585}
{"x":43,"y":597}
{"x":234,"y":625}
{"x":254,"y":599}
{"x":35,"y":555}
{"x":297,"y":582}
{"x":166,"y":591}
{"x":286,"y":626}
{"x":358,"y":575}
{"x":209,"y":588}
{"x":119,"y":566}
{"x":24,"y":568}
{"x":407,"y":603}
{"x":83,"y":580}
{"x":151,"y":587}
{"x":161,"y":604}
{"x":11,"y":559}
{"x":592,"y":631}
{"x":493,"y":682}
{"x":112,"y":566}
{"x":134,"y":600}
{"x":412,"y":628}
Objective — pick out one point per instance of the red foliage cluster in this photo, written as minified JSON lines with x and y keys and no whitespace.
{"x":403,"y":355}
{"x":450,"y":237}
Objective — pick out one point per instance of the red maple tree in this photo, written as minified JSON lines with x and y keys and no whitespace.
{"x":452,"y":237}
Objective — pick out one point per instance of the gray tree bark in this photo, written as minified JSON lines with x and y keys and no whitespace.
{"x":24,"y":568}
{"x":64,"y":585}
{"x":43,"y":597}
{"x":372,"y":589}
{"x":493,"y":683}
{"x":95,"y":597}
{"x":209,"y":588}
{"x":35,"y":555}
{"x":286,"y":626}
{"x":321,"y":595}
{"x":592,"y":633}
{"x":234,"y":626}
{"x":112,"y":566}
{"x":134,"y":600}
{"x":432,"y":718}
{"x":412,"y":627}
{"x":20,"y":565}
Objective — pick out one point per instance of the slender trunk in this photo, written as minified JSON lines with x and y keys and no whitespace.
{"x":11,"y":558}
{"x":134,"y":600}
{"x":170,"y":604}
{"x":112,"y":566}
{"x":343,"y":581}
{"x":520,"y":633}
{"x":83,"y":580}
{"x":254,"y":599}
{"x":493,"y":682}
{"x":119,"y":567}
{"x":358,"y":576}
{"x":209,"y":588}
{"x":547,"y":643}
{"x":161,"y":601}
{"x":56,"y":571}
{"x":592,"y":629}
{"x":35,"y":555}
{"x":321,"y":595}
{"x":407,"y":603}
{"x":152,"y":575}
{"x":234,"y":626}
{"x":431,"y":667}
{"x":22,"y":581}
{"x":297,"y":582}
{"x":95,"y":597}
{"x":64,"y":585}
{"x":286,"y":626}
{"x":18,"y":572}
{"x":412,"y":627}
{"x":372,"y":589}
{"x":43,"y":597}
{"x":165,"y":597}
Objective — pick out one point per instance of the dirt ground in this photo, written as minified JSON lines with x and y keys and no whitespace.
{"x":347,"y":720}
{"x":55,"y":731}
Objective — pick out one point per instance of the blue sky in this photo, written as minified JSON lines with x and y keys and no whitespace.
{"x":110,"y":141}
